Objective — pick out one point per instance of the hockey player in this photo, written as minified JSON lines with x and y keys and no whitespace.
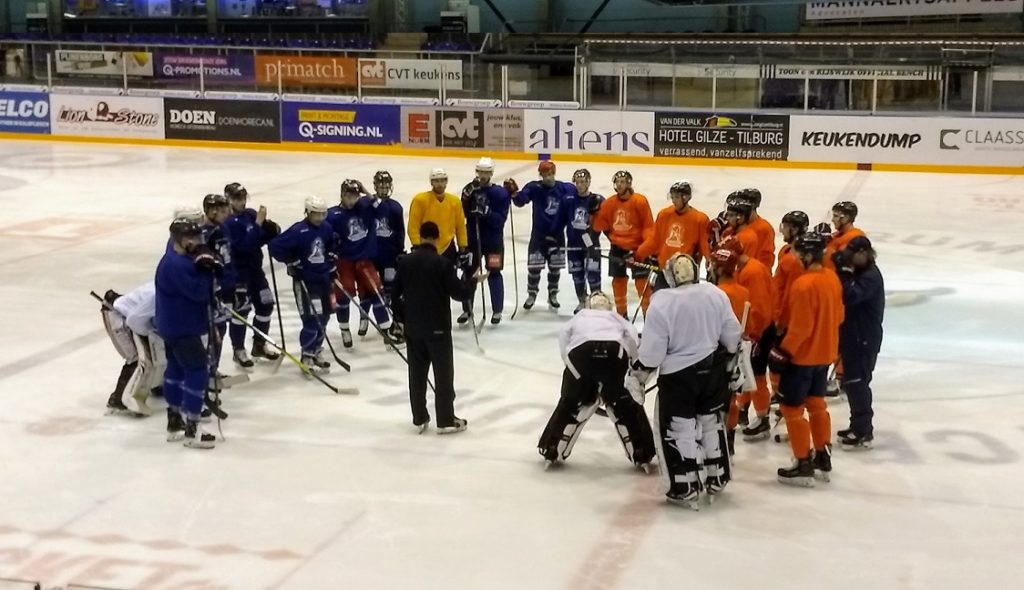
{"x":307,"y":247}
{"x":860,"y":336}
{"x":547,"y":235}
{"x":724,"y":263}
{"x":248,"y":230}
{"x":128,"y":320}
{"x":678,"y":228}
{"x":390,"y":239}
{"x":794,"y":224}
{"x":584,"y":244}
{"x":597,"y":347}
{"x":815,"y":303}
{"x":216,"y":209}
{"x":764,"y":230}
{"x":184,"y":285}
{"x":486,"y":207}
{"x":739,"y":211}
{"x":690,"y":335}
{"x":844,"y":213}
{"x":445,"y":210}
{"x":627,"y":220}
{"x":354,"y":222}
{"x":757,"y":279}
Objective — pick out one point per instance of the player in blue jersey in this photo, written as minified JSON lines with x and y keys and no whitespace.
{"x":547,"y":237}
{"x":307,"y":247}
{"x":584,"y":244}
{"x":486,"y":207}
{"x":390,"y":239}
{"x":184,"y":286}
{"x":355,"y":227}
{"x":248,"y":230}
{"x":216,"y":209}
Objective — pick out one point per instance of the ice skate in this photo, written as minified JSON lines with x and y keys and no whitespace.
{"x":800,"y":474}
{"x":759,"y":429}
{"x":116,"y":407}
{"x":197,"y":439}
{"x":853,"y":442}
{"x":553,"y":300}
{"x":459,"y":425}
{"x":580,"y":306}
{"x":140,"y":396}
{"x":364,"y":326}
{"x":649,"y":468}
{"x":242,"y":359}
{"x":346,"y":338}
{"x":531,"y":299}
{"x":496,"y":318}
{"x":823,"y":464}
{"x":175,"y":426}
{"x":686,"y":495}
{"x":715,"y":485}
{"x":463,"y":319}
{"x":259,"y":351}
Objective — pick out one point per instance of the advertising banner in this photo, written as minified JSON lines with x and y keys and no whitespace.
{"x":24,"y":112}
{"x":480,"y":129}
{"x":327,"y":72}
{"x":422,"y":74}
{"x":907,"y":140}
{"x":905,"y":8}
{"x":217,"y":69}
{"x":107,"y":116}
{"x":328,"y":123}
{"x":588,"y":132}
{"x":222,"y":120}
{"x":865,"y":72}
{"x":104,"y":63}
{"x":706,"y":135}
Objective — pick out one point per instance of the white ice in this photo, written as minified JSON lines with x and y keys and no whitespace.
{"x":312,"y":490}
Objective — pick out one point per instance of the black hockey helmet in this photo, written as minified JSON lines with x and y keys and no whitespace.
{"x":235,"y":191}
{"x":382,"y":177}
{"x":847,"y":208}
{"x":683,"y":186}
{"x":753,"y":195}
{"x":582,"y":173}
{"x":797,"y":219}
{"x":349,"y":186}
{"x":812,"y":244}
{"x":183,"y":228}
{"x":737,"y":203}
{"x":623,"y":174}
{"x":213,"y":201}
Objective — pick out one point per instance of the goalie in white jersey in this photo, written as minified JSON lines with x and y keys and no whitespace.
{"x":597,"y":346}
{"x":128,"y":319}
{"x":690,"y":336}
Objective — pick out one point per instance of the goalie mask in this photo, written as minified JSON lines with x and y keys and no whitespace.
{"x":680,"y":270}
{"x":598,"y":300}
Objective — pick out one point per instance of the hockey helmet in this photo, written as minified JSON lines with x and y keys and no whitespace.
{"x":213,"y":201}
{"x":797,"y":220}
{"x":599,"y":300}
{"x":725,"y":261}
{"x":753,"y":195}
{"x":438,"y":174}
{"x":350,"y":187}
{"x":188,"y":212}
{"x":235,"y":191}
{"x":680,"y":270}
{"x":315,"y":204}
{"x":623,"y":175}
{"x":683,"y":186}
{"x":810,"y":244}
{"x":846,"y":208}
{"x":546,"y":167}
{"x":183,"y":227}
{"x":485,"y":164}
{"x":383,"y":183}
{"x":739,"y":205}
{"x":581,"y":174}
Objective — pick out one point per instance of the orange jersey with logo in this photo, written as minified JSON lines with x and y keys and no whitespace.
{"x":765,"y":241}
{"x":748,"y":240}
{"x":738,"y":297}
{"x":788,"y":270}
{"x":757,"y":279}
{"x":815,"y":303}
{"x":838,"y":243}
{"x":685,"y":232}
{"x":628,"y":222}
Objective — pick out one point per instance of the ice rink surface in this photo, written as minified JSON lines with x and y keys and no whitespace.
{"x":312,"y":490}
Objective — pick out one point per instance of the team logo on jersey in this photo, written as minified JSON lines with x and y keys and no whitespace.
{"x":356,"y":229}
{"x":622,"y":222}
{"x":225,"y":252}
{"x":316,"y":256}
{"x":552,"y":205}
{"x":580,"y":219}
{"x":675,"y":236}
{"x":384,"y":228}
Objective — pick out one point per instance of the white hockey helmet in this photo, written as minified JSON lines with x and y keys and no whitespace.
{"x":485,"y":165}
{"x":680,"y":270}
{"x":438,"y":174}
{"x":315,"y":204}
{"x":599,"y":300}
{"x":188,"y":212}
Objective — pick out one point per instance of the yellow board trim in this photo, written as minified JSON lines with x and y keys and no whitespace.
{"x":398,"y":150}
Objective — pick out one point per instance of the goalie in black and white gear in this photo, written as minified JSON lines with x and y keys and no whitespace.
{"x":128,"y":320}
{"x":690,"y":336}
{"x":597,"y":346}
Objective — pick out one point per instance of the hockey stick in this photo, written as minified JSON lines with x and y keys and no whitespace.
{"x":277,"y":302}
{"x":323,"y":326}
{"x":211,"y":348}
{"x":515,"y":265}
{"x":377,"y":327}
{"x":647,"y":287}
{"x":483,"y":294}
{"x":305,"y":369}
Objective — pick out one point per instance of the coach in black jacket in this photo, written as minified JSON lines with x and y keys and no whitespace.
{"x":424,"y":286}
{"x":860,"y":336}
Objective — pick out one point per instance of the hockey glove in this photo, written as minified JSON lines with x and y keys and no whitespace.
{"x":465,"y":259}
{"x":641,"y":372}
{"x":842,"y":262}
{"x":511,"y":186}
{"x":294,"y":270}
{"x":778,"y":360}
{"x":594,"y":205}
{"x":635,"y":389}
{"x":205,"y":261}
{"x":270,"y":230}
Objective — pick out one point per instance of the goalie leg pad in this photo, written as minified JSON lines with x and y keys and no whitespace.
{"x":576,"y":405}
{"x":632,"y":426}
{"x":713,"y":443}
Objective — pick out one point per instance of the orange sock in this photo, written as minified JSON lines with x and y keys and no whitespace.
{"x":821,"y":421}
{"x":761,"y":397}
{"x":734,"y":415}
{"x":644,"y":293}
{"x":619,"y":292}
{"x":799,"y":431}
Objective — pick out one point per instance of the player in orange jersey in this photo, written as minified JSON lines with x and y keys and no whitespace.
{"x":794,"y":224}
{"x":764,"y":230}
{"x":626,"y":219}
{"x":678,"y":228}
{"x":815,"y":303}
{"x":844,"y":213}
{"x":738,"y":212}
{"x":723,"y":262}
{"x":757,"y":279}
